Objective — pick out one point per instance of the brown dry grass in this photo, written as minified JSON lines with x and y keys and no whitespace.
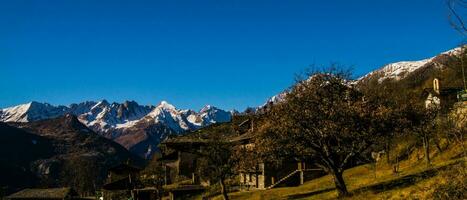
{"x":415,"y":180}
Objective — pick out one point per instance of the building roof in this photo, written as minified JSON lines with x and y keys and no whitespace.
{"x":122,"y":184}
{"x":442,"y":91}
{"x":123,"y":168}
{"x":186,"y":188}
{"x":184,"y":140}
{"x":170,"y":157}
{"x":149,"y":189}
{"x":50,"y":193}
{"x":243,"y":137}
{"x":188,"y":141}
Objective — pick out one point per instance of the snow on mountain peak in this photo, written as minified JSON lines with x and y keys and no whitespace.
{"x":15,"y":113}
{"x":210,"y":114}
{"x":31,"y":111}
{"x":127,"y":123}
{"x":454,"y":52}
{"x":103,"y":102}
{"x":207,"y":108}
{"x":166,"y":105}
{"x":396,"y":71}
{"x":400,"y":70}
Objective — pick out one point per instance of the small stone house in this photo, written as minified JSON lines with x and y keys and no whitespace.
{"x":178,"y":163}
{"x":266,"y":175}
{"x":181,"y":180}
{"x":122,"y":179}
{"x":440,"y":97}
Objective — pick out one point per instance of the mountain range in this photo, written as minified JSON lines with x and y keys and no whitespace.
{"x":136,"y":127}
{"x":141,"y":128}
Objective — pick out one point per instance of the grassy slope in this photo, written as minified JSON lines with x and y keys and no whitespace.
{"x":414,"y":181}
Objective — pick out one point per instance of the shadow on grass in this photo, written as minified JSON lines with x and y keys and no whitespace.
{"x":303,"y":195}
{"x":403,"y":181}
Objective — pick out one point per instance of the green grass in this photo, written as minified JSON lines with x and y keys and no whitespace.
{"x":415,"y":180}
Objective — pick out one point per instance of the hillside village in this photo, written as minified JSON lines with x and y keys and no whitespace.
{"x":233,"y":150}
{"x":258,"y":169}
{"x":396,"y":133}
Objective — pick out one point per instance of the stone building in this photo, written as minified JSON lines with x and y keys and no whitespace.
{"x":180,"y":164}
{"x":440,"y":97}
{"x":266,"y":175}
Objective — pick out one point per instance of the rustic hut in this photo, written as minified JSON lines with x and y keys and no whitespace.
{"x":122,"y":180}
{"x":265,"y":175}
{"x":441,"y":97}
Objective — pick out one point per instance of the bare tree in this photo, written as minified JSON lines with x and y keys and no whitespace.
{"x":391,"y":118}
{"x":424,"y":125}
{"x":323,"y":118}
{"x":456,"y":19}
{"x":217,"y":162}
{"x":456,"y":9}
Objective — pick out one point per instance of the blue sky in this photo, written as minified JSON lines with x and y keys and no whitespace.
{"x":230,"y":54}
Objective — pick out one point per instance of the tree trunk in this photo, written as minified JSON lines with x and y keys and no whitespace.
{"x":374,"y":169}
{"x":438,"y":146}
{"x":395,"y":168}
{"x":340,"y":184}
{"x":448,"y":141}
{"x":223,"y":190}
{"x":426,"y":146}
{"x":387,"y":152}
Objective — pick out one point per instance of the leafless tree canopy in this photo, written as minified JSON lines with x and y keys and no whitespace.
{"x":457,"y":12}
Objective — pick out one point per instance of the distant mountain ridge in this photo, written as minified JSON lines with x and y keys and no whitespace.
{"x":400,"y":70}
{"x":393,"y":71}
{"x":127,"y":123}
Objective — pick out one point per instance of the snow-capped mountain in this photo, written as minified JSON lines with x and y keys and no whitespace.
{"x":103,"y":116}
{"x":32,"y":111}
{"x":400,"y":70}
{"x":210,"y":115}
{"x":275,"y":99}
{"x":128,"y":123}
{"x":168,"y":115}
{"x":395,"y":71}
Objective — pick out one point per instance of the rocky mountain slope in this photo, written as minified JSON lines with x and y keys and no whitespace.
{"x":136,"y":127}
{"x":18,"y":150}
{"x":57,"y":152}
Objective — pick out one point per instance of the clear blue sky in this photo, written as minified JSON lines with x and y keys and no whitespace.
{"x":230,"y":54}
